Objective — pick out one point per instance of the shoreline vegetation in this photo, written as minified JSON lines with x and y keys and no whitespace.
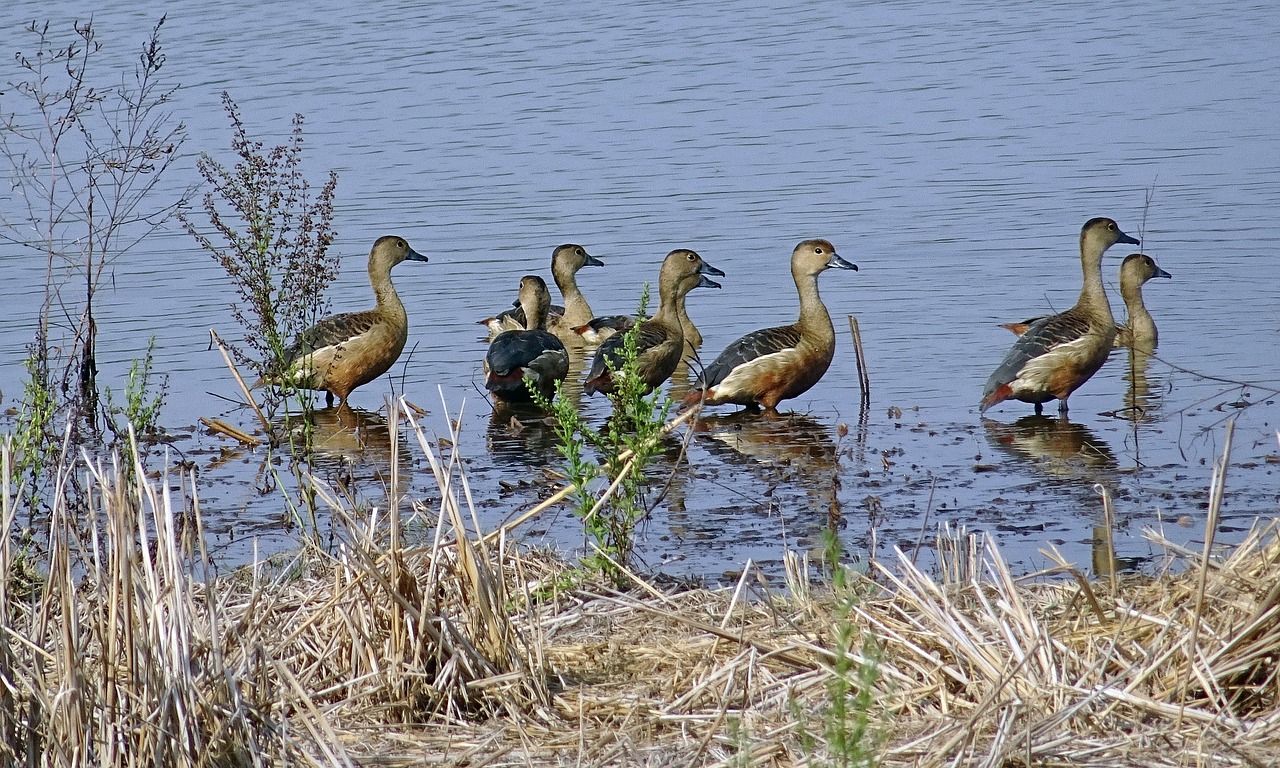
{"x":416,"y":640}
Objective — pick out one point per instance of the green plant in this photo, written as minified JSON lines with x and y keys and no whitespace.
{"x":33,"y":440}
{"x":142,"y":400}
{"x":275,"y":240}
{"x":846,"y":711}
{"x":625,"y":445}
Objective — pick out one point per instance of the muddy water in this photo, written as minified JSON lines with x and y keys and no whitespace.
{"x":951,"y":151}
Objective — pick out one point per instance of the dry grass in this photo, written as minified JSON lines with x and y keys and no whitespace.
{"x":117,"y":649}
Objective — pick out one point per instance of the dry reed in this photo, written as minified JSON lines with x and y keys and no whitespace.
{"x":117,"y":647}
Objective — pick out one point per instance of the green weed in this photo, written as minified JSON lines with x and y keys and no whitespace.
{"x":625,"y":446}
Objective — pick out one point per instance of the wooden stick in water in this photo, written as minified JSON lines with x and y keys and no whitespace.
{"x":266,"y":426}
{"x":864,"y":381}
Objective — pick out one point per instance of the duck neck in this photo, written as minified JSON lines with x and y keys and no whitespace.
{"x":388,"y":301}
{"x":815,"y":321}
{"x":576,"y":310}
{"x":670,"y":299}
{"x":1093,"y":297}
{"x":1140,"y":321}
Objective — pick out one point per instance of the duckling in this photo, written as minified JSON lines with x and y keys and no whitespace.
{"x":533,"y":358}
{"x":566,"y":260}
{"x":768,"y":366}
{"x":1140,"y":331}
{"x":661,"y":339}
{"x":346,"y":351}
{"x":1136,"y":269}
{"x":1060,"y":352}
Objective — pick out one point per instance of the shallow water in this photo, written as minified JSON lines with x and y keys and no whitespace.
{"x":951,"y":151}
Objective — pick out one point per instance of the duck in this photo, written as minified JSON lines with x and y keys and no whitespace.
{"x":600,"y":328}
{"x":1059,"y":353}
{"x":660,"y":339}
{"x":566,"y":260}
{"x":1140,"y":331}
{"x":343,"y":352}
{"x":767,"y":366}
{"x":1135,"y":270}
{"x":528,"y":359}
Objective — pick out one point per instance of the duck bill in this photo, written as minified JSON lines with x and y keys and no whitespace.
{"x":837,"y":261}
{"x":413,"y":255}
{"x":1123,"y":238}
{"x":707,"y":269}
{"x":592,"y":261}
{"x":706,"y":282}
{"x":1161,"y":273}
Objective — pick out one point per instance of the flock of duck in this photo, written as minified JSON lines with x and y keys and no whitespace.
{"x":1052,"y":357}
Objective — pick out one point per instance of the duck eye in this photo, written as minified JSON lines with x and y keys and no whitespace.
{"x":818,"y":249}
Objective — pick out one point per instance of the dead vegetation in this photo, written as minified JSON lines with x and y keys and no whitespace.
{"x":118,"y":647}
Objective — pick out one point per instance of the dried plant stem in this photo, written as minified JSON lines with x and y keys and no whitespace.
{"x":262,"y":419}
{"x":860,"y":357}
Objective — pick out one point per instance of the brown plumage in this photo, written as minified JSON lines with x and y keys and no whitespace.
{"x":660,"y":340}
{"x":1059,"y":353}
{"x":566,"y":260}
{"x":768,"y":366}
{"x":343,"y":352}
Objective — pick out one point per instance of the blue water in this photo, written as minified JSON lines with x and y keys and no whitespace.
{"x":951,"y":150}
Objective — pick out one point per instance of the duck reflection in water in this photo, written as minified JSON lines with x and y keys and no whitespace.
{"x":787,"y":439}
{"x":347,"y":438}
{"x":1143,"y":390}
{"x":1059,"y":447}
{"x":523,"y":437}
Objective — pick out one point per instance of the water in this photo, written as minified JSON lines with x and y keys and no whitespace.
{"x":951,"y":151}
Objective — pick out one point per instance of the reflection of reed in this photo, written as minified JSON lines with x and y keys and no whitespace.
{"x":1060,"y":447}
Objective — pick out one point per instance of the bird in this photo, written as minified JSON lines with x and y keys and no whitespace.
{"x":530,"y":359}
{"x":601,"y":328}
{"x":346,"y":351}
{"x":767,"y":366}
{"x":1060,"y":352}
{"x":1136,"y":269}
{"x":1140,"y":330}
{"x":660,"y":339}
{"x":566,"y":260}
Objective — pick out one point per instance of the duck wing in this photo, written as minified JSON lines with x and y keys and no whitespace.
{"x":1039,"y":350}
{"x":329,"y":332}
{"x":519,"y":349}
{"x":757,"y":344}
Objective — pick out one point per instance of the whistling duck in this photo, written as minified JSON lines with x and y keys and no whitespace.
{"x":566,"y":260}
{"x":1140,"y":330}
{"x":343,"y":352}
{"x":530,"y":359}
{"x":1059,"y":353}
{"x":768,"y":366}
{"x":1136,"y":269}
{"x":660,"y":341}
{"x":601,"y":328}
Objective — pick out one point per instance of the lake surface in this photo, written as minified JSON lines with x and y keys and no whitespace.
{"x":951,"y":150}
